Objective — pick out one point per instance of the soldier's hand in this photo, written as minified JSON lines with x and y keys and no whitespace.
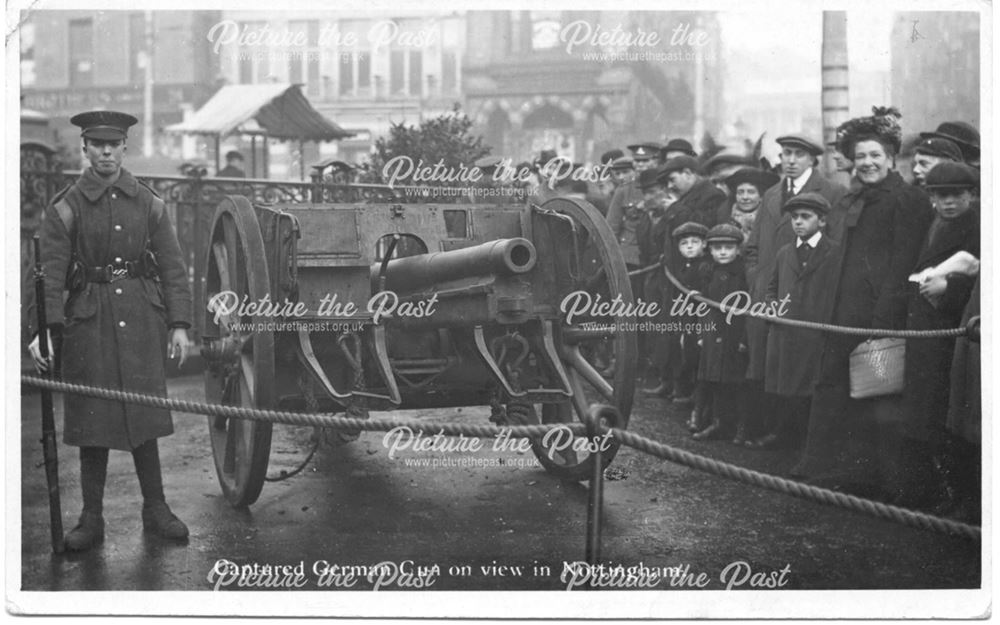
{"x":41,"y":364}
{"x":179,"y":345}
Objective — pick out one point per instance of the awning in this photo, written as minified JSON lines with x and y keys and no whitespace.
{"x":278,"y":111}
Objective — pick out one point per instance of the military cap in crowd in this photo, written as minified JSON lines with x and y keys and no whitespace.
{"x":800,"y":141}
{"x":690,"y":229}
{"x":679,"y":145}
{"x":965,"y":135}
{"x":644,"y":151}
{"x":623,"y":163}
{"x":725,"y":233}
{"x":940,"y":147}
{"x":679,"y":163}
{"x":762,"y":180}
{"x":611,"y":156}
{"x":949,"y":175}
{"x":809,"y":200}
{"x":104,"y":125}
{"x":649,"y":178}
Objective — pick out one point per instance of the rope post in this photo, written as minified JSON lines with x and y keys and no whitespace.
{"x":607,"y":416}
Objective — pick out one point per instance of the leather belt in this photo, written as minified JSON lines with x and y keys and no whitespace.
{"x":114,"y":272}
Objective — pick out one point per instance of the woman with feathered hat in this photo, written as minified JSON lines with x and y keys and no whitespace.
{"x":880,"y":225}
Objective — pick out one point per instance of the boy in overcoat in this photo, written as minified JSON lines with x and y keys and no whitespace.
{"x":722,"y":366}
{"x":803,"y":272}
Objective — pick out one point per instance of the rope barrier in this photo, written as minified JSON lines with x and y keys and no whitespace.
{"x":812,"y":325}
{"x":641,"y":443}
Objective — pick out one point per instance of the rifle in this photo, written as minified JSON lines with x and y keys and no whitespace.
{"x":48,"y":418}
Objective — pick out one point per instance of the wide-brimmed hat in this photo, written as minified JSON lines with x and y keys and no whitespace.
{"x":965,"y":135}
{"x":679,"y":145}
{"x":759,"y":178}
{"x":882,"y":126}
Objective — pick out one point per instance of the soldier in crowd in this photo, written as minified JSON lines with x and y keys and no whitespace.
{"x":644,"y":156}
{"x":108,"y":240}
{"x":931,"y":151}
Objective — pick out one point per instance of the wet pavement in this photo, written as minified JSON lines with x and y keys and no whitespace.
{"x":354,"y":506}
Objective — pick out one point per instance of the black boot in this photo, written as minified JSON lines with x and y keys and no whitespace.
{"x":156,"y":515}
{"x":89,"y":532}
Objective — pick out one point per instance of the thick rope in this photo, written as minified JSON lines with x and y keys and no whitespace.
{"x":811,"y":325}
{"x":796,"y":489}
{"x":660,"y":450}
{"x":297,"y":418}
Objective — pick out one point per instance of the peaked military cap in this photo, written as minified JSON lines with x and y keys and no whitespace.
{"x":690,"y":229}
{"x":644,"y":151}
{"x":810,"y":200}
{"x":725,"y":233}
{"x":611,"y":156}
{"x":104,"y":125}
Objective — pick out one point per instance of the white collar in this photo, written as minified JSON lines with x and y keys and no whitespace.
{"x":811,"y":241}
{"x":798,"y":183}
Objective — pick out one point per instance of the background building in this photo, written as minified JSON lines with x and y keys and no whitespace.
{"x":72,"y":61}
{"x":528,"y":89}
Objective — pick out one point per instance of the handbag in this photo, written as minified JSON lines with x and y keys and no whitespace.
{"x":876,"y":368}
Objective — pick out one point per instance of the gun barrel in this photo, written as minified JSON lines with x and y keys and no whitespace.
{"x":501,"y":257}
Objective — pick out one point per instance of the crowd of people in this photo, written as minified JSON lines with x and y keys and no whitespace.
{"x":879,"y":253}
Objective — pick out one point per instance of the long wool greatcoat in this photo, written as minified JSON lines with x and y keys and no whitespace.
{"x":772,"y":229}
{"x":721,"y":360}
{"x":928,"y":361}
{"x":114,"y":333}
{"x":793,"y":354}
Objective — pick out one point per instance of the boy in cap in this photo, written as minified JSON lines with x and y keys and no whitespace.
{"x":799,"y":285}
{"x":693,"y":270}
{"x":939,"y":289}
{"x":931,"y":151}
{"x":723,"y":362}
{"x":108,"y":241}
{"x":965,"y":135}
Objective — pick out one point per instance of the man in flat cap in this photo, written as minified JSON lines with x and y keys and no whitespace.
{"x":929,"y":152}
{"x":234,"y":166}
{"x":108,"y":241}
{"x":772,"y":229}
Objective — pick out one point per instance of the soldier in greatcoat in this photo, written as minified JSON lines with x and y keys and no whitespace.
{"x":108,"y":241}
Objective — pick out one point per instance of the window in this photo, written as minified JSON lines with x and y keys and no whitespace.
{"x":406,"y":62}
{"x":253,"y":63}
{"x":81,"y":53}
{"x":303,"y":61}
{"x":355,"y":65}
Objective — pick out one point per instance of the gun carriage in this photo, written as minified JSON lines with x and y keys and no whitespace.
{"x":357,"y":307}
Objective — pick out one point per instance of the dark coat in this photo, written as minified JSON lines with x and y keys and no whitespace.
{"x":721,"y":360}
{"x":965,"y":406}
{"x":793,"y":354}
{"x":881,"y":229}
{"x":625,"y":229}
{"x":928,"y":361}
{"x":114,"y":334}
{"x":695,"y":274}
{"x":772,"y":230}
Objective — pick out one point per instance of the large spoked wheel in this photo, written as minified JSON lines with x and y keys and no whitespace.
{"x":600,"y":272}
{"x":240,"y":360}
